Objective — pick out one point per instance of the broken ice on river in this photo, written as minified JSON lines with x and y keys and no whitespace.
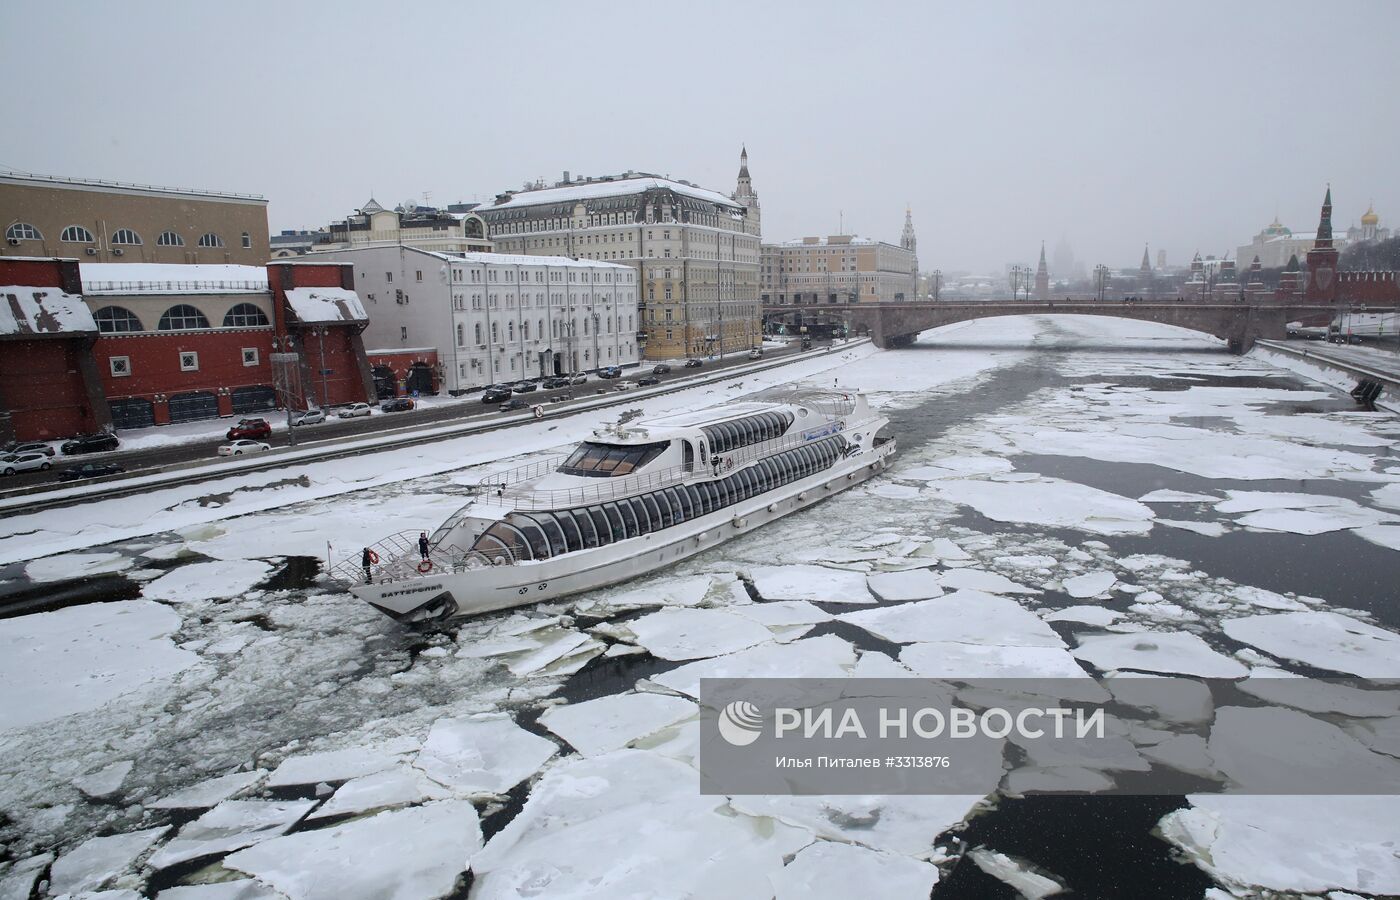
{"x":231,"y":730}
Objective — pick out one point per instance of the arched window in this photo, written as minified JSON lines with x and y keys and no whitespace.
{"x":23,"y":231}
{"x":76,"y":234}
{"x":126,"y":236}
{"x":210,"y":240}
{"x":182,"y":317}
{"x":510,"y":331}
{"x":170,"y":239}
{"x":461,"y":334}
{"x":478,"y":332}
{"x":244,"y":315}
{"x":495,"y":333}
{"x":525,"y":330}
{"x":114,"y":319}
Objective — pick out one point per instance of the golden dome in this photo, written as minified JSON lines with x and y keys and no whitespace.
{"x":1370,"y":218}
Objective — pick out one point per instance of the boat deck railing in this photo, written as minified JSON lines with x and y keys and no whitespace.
{"x":398,"y":559}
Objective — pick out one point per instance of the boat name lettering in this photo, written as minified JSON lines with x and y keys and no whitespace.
{"x":417,"y":590}
{"x":833,"y":428}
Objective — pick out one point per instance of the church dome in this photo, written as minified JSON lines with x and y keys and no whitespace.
{"x":1276,"y":228}
{"x":1370,"y":218}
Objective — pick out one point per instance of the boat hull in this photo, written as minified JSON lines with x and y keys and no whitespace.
{"x":440,"y":595}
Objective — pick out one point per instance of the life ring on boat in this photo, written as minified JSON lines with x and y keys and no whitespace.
{"x":373,"y":558}
{"x":425,"y":566}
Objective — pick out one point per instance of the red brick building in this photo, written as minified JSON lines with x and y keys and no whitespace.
{"x":1329,"y":285}
{"x":150,"y":344}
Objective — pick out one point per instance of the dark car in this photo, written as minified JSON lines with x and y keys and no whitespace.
{"x":662,"y":369}
{"x":610,"y":372}
{"x":495,"y":395}
{"x":90,"y":443}
{"x":524,"y":387}
{"x":29,"y":447}
{"x":89,"y":470}
{"x":806,"y":343}
{"x":693,"y":363}
{"x":398,"y":404}
{"x":249,"y":429}
{"x":648,"y":380}
{"x":556,"y":381}
{"x":513,"y":404}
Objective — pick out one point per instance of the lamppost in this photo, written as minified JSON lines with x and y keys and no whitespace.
{"x":283,"y":358}
{"x":1101,"y":280}
{"x":1016,"y":272}
{"x":325,"y":388}
{"x":937,"y":277}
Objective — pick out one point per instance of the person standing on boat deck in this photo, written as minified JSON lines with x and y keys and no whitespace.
{"x":423,"y":544}
{"x":366,"y":559}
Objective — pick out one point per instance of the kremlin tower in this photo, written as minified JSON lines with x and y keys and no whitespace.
{"x":1322,"y":258}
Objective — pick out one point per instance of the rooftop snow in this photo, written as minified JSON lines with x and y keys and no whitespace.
{"x":589,"y":190}
{"x":515,"y":259}
{"x":42,"y":310}
{"x":324,"y":304}
{"x":170,"y":278}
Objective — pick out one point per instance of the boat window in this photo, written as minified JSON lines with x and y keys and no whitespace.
{"x":639,"y":509}
{"x":513,"y":540}
{"x":586,"y":529}
{"x":601,"y":524}
{"x":535,"y":535}
{"x":680,"y":502}
{"x":553,"y":532}
{"x":648,"y":503}
{"x":750,"y":483}
{"x":736,"y":433}
{"x":662,"y":499}
{"x":696,"y":501}
{"x":629,"y":518}
{"x":597,"y":460}
{"x":709,"y":497}
{"x":572,"y":536}
{"x":619,"y":530}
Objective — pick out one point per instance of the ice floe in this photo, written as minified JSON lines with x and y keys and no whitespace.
{"x":1315,"y":696}
{"x":578,"y":835}
{"x":84,"y":657}
{"x":826,"y":656}
{"x":203,"y":580}
{"x":407,"y":854}
{"x":1086,"y":615}
{"x":1090,"y":584}
{"x":1017,"y":874}
{"x":341,"y":765}
{"x":1168,"y":652}
{"x":961,"y":662}
{"x":1271,"y":750}
{"x":105,"y":781}
{"x":242,"y":889}
{"x":979,"y":580}
{"x":965,"y":616}
{"x":17,"y":882}
{"x":1324,"y":640}
{"x":831,"y":869}
{"x":77,"y":565}
{"x":696,"y":633}
{"x":400,"y":786}
{"x":98,"y":861}
{"x":231,"y":825}
{"x":482,"y":755}
{"x":1169,"y":496}
{"x":806,"y":582}
{"x":895,"y":823}
{"x":609,"y":723}
{"x":911,"y":584}
{"x":210,"y":793}
{"x":1051,"y":502}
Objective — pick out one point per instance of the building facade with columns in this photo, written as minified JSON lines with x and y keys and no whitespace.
{"x":495,"y":317}
{"x":837,"y":269}
{"x":694,"y":252}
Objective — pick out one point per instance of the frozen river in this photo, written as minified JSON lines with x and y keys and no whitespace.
{"x":198,"y":714}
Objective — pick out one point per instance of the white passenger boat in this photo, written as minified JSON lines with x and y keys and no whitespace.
{"x":632,"y":498}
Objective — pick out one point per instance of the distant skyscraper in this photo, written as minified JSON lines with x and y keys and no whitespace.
{"x":1161,"y":260}
{"x":1062,"y":261}
{"x":1042,"y":278}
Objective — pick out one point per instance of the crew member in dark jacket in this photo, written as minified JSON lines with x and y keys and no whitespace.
{"x":366,"y":561}
{"x":423,"y":544}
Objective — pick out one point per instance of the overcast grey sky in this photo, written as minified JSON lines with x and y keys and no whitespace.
{"x":1182,"y":125}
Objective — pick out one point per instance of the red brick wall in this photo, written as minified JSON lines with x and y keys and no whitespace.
{"x":58,"y":273}
{"x":1381,"y":288}
{"x":155,"y":364}
{"x":342,"y":356}
{"x":42,"y":386}
{"x":400,"y":363}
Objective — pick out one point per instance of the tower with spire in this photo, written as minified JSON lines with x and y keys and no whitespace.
{"x":1255,"y":285}
{"x":743,"y":190}
{"x":1042,"y":278}
{"x":910,"y":242}
{"x":1322,"y":258}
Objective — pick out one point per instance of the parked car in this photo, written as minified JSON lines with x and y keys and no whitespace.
{"x":495,"y":395}
{"x":238,"y":448}
{"x":513,"y":404}
{"x":756,"y":353}
{"x":693,"y":363}
{"x":555,"y":381}
{"x":578,"y":378}
{"x":648,"y":380}
{"x":354,"y":411}
{"x":29,"y":447}
{"x":661,"y":369}
{"x":24,"y":462}
{"x":610,"y":372}
{"x":249,"y":428}
{"x":626,"y":386}
{"x":309,"y":417}
{"x":806,"y":343}
{"x":90,"y":443}
{"x":89,"y":470}
{"x":524,"y":387}
{"x":398,"y":404}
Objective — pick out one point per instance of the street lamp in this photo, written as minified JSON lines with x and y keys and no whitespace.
{"x":1101,"y":280}
{"x":937,"y":277}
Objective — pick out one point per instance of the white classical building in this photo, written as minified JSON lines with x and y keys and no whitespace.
{"x":496,"y":317}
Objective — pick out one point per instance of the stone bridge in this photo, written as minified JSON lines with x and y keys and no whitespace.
{"x":1238,"y":324}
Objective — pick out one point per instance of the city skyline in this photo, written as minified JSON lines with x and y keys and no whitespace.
{"x":1007,"y":131}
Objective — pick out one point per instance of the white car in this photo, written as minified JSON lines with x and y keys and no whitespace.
{"x":238,"y":448}
{"x":24,"y":462}
{"x":309,"y":417}
{"x":354,"y":410}
{"x":578,"y":378}
{"x":626,"y":386}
